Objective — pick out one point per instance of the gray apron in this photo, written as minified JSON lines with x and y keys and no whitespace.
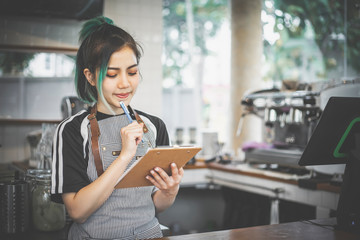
{"x":128,"y":213}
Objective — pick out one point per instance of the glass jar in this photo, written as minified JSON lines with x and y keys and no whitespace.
{"x":46,"y":215}
{"x":31,"y":176}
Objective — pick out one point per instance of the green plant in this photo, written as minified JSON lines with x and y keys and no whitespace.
{"x":327,"y":18}
{"x":15,"y":62}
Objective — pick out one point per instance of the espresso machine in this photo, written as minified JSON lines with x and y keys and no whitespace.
{"x":288,"y":121}
{"x":289,"y":118}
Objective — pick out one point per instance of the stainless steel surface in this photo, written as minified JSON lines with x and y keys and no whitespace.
{"x":14,"y":206}
{"x":282,"y":157}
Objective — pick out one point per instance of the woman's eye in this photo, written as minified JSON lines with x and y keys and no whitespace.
{"x":111,"y":75}
{"x":132,"y":73}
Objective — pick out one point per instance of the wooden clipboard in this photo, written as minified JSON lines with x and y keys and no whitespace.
{"x":156,"y":157}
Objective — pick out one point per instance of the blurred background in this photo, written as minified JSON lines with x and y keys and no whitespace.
{"x":226,"y":75}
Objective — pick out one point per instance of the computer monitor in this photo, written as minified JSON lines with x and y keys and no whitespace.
{"x":333,"y":136}
{"x":336,"y":140}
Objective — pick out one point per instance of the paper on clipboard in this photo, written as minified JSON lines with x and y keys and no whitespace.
{"x":156,"y":157}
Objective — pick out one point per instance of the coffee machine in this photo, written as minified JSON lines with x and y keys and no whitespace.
{"x":289,"y":119}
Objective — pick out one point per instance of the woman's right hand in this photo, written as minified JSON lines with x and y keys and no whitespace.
{"x":131,"y":136}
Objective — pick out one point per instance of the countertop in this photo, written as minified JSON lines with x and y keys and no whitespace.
{"x":320,"y":229}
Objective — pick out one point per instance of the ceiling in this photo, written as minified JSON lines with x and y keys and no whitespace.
{"x":59,"y":9}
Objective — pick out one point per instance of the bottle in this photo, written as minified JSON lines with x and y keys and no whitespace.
{"x":46,"y":215}
{"x":44,"y":148}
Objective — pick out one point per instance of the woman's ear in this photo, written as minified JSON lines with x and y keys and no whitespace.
{"x":90,"y":77}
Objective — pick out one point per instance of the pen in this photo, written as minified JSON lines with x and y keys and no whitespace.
{"x":127,"y":113}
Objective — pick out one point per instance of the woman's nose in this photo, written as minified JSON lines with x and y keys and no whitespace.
{"x":123,"y":82}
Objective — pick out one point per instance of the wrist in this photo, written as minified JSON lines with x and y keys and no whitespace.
{"x":125,"y":157}
{"x":171,"y":192}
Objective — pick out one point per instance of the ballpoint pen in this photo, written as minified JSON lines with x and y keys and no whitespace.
{"x":127,"y":113}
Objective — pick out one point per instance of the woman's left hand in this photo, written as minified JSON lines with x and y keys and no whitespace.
{"x":169,"y":185}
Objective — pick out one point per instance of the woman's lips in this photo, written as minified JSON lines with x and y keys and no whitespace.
{"x":122,"y":95}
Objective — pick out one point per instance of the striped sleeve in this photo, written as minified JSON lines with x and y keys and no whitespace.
{"x":70,"y":156}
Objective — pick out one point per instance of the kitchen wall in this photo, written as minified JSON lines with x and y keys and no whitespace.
{"x":34,"y":98}
{"x":13,"y":143}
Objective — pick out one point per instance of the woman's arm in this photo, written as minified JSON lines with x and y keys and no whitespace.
{"x":168,"y":186}
{"x":82,"y":204}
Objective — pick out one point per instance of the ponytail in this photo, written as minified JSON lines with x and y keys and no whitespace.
{"x":93,"y":25}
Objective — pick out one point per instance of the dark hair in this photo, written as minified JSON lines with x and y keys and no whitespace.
{"x":99,"y":38}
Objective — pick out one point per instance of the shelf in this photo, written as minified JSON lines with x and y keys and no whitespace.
{"x":12,"y":121}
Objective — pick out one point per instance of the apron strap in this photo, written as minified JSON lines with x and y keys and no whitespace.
{"x":95,"y":133}
{"x":138,"y":119}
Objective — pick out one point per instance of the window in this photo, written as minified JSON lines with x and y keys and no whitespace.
{"x":196,"y":67}
{"x":34,"y":65}
{"x":33,"y":84}
{"x":311,"y":41}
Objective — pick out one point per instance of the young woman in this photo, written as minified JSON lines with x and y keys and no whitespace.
{"x":93,"y":148}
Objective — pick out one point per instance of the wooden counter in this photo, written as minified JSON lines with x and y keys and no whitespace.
{"x":320,"y":229}
{"x":231,"y":169}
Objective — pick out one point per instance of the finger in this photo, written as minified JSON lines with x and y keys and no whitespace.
{"x":134,"y":126}
{"x":127,"y":132}
{"x":137,"y":130}
{"x":138,"y":139}
{"x":152,"y":180}
{"x":132,"y":131}
{"x":177,"y":173}
{"x":158,"y":179}
{"x":137,"y":125}
{"x":174,"y":170}
{"x":162,"y":174}
{"x":181,"y":172}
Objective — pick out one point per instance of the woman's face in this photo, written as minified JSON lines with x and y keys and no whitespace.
{"x":121,"y":81}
